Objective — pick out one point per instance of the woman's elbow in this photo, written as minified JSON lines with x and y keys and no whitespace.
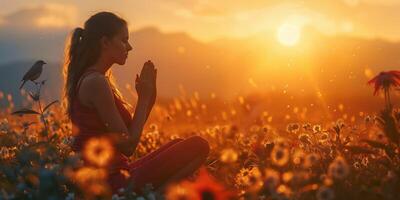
{"x":127,"y":148}
{"x":126,"y":151}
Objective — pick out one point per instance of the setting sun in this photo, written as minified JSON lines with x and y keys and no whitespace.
{"x":288,"y":34}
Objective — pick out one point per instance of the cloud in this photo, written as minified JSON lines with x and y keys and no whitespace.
{"x":372,"y":2}
{"x":44,"y":16}
{"x":249,"y":17}
{"x":206,"y":8}
{"x":36,"y":32}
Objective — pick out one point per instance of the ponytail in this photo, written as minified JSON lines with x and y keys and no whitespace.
{"x":76,"y":40}
{"x":71,"y":70}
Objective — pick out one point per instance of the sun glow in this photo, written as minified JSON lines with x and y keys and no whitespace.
{"x":288,"y":34}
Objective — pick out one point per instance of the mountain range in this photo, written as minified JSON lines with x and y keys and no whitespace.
{"x":331,"y":66}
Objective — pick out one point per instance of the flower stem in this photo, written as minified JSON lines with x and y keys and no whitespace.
{"x":387,"y":99}
{"x":41,"y":111}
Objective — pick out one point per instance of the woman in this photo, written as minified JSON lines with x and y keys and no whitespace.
{"x":97,"y":109}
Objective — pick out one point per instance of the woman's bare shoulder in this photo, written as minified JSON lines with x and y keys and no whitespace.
{"x":92,"y":85}
{"x":93,"y":80}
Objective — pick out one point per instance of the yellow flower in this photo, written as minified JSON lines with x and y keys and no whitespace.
{"x":251,"y":179}
{"x":311,"y":160}
{"x":272,"y":179}
{"x":179,"y":192}
{"x":339,"y":168}
{"x":280,"y":156}
{"x":98,"y":151}
{"x":92,"y":180}
{"x":228,"y":155}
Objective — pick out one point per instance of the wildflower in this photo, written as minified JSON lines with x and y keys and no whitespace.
{"x":317,"y":128}
{"x":287,"y":177}
{"x":5,"y":153}
{"x":265,"y":129}
{"x":338,"y":169}
{"x":306,"y":126}
{"x":305,"y":138}
{"x":272,"y":179}
{"x":326,"y":179}
{"x":298,"y":157}
{"x":357,"y":165}
{"x":205,"y":187}
{"x":179,"y":191}
{"x":92,"y":180}
{"x":255,"y":180}
{"x":70,"y":196}
{"x":284,"y":191}
{"x":324,"y":137}
{"x":153,"y":127}
{"x":367,"y":119}
{"x":189,"y":113}
{"x":98,"y":151}
{"x":241,"y":178}
{"x":293,"y":128}
{"x":249,"y":178}
{"x":365,"y":161}
{"x":4,"y":125}
{"x":385,"y":81}
{"x":339,"y":124}
{"x":255,"y":129}
{"x":280,"y":156}
{"x":310,"y":160}
{"x":325,"y":193}
{"x":228,"y":155}
{"x":85,"y":174}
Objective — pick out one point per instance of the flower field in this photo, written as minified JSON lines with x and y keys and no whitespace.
{"x":255,"y":153}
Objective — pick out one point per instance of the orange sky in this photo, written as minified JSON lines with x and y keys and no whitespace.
{"x":208,"y":20}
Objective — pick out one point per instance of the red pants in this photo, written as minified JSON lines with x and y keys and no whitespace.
{"x":158,"y":166}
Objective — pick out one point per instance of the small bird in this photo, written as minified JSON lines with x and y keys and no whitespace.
{"x":34,"y":72}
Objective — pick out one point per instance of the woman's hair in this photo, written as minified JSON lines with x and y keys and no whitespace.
{"x":83,"y":50}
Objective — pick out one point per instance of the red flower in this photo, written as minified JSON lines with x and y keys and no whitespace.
{"x":385,"y":80}
{"x":205,"y":187}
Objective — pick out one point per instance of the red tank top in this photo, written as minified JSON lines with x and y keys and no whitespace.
{"x":86,"y":122}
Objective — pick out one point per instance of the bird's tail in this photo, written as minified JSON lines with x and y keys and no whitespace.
{"x":23,"y":83}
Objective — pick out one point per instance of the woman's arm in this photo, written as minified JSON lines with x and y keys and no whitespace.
{"x":145,"y":85}
{"x":136,"y":127}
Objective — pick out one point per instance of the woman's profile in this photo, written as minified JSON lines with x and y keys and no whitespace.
{"x":96,"y":108}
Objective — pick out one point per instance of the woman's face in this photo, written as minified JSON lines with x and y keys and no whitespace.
{"x":118,"y":46}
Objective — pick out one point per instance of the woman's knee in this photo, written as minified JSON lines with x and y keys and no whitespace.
{"x":176,"y":140}
{"x":200,"y":144}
